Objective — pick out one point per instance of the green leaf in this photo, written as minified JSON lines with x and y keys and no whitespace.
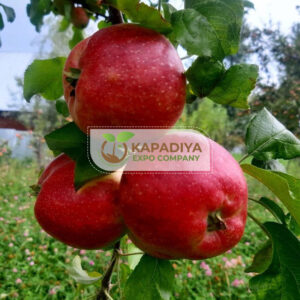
{"x":109,"y":137}
{"x":285,"y":187}
{"x":68,"y":139}
{"x":142,"y":14}
{"x":152,"y":278}
{"x":284,"y":282}
{"x":262,"y":259}
{"x":195,"y":34}
{"x":124,"y":136}
{"x":103,"y":24}
{"x":248,"y":4}
{"x":80,"y":275}
{"x":226,"y":19}
{"x":84,"y":171}
{"x":168,"y":9}
{"x":64,"y":25}
{"x":44,"y":77}
{"x":293,"y":225}
{"x":133,"y":260}
{"x":10,"y":13}
{"x":36,"y":11}
{"x":62,"y":108}
{"x":204,"y":74}
{"x":267,"y":138}
{"x":274,"y":208}
{"x":1,"y":22}
{"x":273,"y":165}
{"x":76,"y":38}
{"x":235,"y":86}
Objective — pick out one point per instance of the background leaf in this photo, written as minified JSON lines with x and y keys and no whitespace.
{"x":267,"y":138}
{"x":285,"y":187}
{"x":10,"y":13}
{"x":44,"y":77}
{"x":36,"y":11}
{"x":76,"y":38}
{"x":152,"y":278}
{"x":80,"y":275}
{"x":235,"y":86}
{"x":275,"y":208}
{"x":133,"y":260}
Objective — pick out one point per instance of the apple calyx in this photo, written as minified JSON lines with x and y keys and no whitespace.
{"x":215,"y":222}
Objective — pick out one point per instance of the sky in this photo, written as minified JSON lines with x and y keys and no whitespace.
{"x":20,"y":41}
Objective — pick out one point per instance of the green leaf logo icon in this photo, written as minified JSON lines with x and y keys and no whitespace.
{"x":109,"y":137}
{"x":124,"y":136}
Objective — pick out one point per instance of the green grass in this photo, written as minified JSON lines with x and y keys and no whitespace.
{"x":33,"y":265}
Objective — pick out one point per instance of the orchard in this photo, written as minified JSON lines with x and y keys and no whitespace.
{"x":146,"y":67}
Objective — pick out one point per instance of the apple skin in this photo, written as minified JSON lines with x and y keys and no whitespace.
{"x":79,"y":17}
{"x":130,"y":76}
{"x":86,"y":219}
{"x":167,"y":214}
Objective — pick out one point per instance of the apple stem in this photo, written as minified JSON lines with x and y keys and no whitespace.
{"x":115,"y":16}
{"x":105,"y":283}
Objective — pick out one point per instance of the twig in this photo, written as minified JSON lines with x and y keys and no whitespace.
{"x":105,"y":284}
{"x":262,"y":227}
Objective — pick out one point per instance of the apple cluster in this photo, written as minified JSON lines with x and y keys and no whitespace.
{"x":126,"y":75}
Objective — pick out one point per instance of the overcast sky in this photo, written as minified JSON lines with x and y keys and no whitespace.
{"x":18,"y":47}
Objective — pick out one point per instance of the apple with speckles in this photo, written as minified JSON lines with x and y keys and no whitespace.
{"x":88,"y":218}
{"x":124,"y":75}
{"x":194,"y":216}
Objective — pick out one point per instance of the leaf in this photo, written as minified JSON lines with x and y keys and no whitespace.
{"x":195,"y":34}
{"x":204,"y":74}
{"x":1,"y":22}
{"x":36,"y":11}
{"x":267,"y":138}
{"x":10,"y":13}
{"x":44,"y":77}
{"x":293,"y":225}
{"x":68,"y":139}
{"x":103,"y":24}
{"x":80,"y":275}
{"x":152,"y":278}
{"x":142,"y":14}
{"x":285,"y":187}
{"x":109,"y":137}
{"x":168,"y":9}
{"x":226,"y":19}
{"x":274,"y":208}
{"x":273,"y":165}
{"x":248,"y":4}
{"x":84,"y":171}
{"x":62,"y":108}
{"x":235,"y":86}
{"x":64,"y":25}
{"x":287,"y":276}
{"x":133,"y":260}
{"x":124,"y":136}
{"x":262,"y":259}
{"x":76,"y":38}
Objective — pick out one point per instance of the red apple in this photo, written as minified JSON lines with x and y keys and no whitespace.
{"x":129,"y":76}
{"x":193,"y":215}
{"x":79,"y":17}
{"x":88,"y":218}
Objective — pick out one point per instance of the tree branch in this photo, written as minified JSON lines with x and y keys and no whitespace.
{"x":105,"y":284}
